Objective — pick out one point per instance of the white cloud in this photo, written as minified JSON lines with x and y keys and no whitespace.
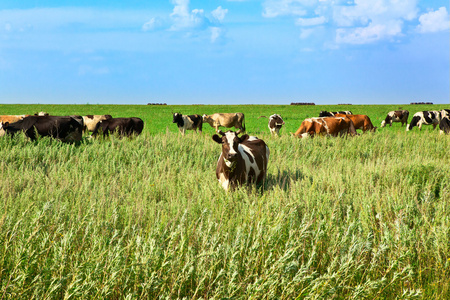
{"x":276,"y":8}
{"x":196,"y":20}
{"x":368,"y":34}
{"x":434,"y":21}
{"x":152,"y":24}
{"x":353,"y":21}
{"x":311,"y":21}
{"x":219,"y":13}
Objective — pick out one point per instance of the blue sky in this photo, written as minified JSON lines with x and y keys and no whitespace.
{"x":224,"y":52}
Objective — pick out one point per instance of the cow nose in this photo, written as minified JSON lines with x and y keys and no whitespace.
{"x":230,"y":156}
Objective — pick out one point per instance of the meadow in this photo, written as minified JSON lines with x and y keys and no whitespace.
{"x":363,"y":217}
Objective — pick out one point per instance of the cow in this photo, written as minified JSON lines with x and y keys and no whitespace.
{"x":396,"y":116}
{"x":226,"y":120}
{"x":444,"y":125}
{"x":275,"y":124}
{"x":123,"y":126}
{"x":445,"y":113}
{"x":242,"y":160}
{"x":64,"y":128}
{"x":424,"y":118}
{"x":191,"y":122}
{"x":91,"y":121}
{"x":331,"y":126}
{"x":42,"y":114}
{"x":359,"y":121}
{"x":324,"y":113}
{"x":10,"y":119}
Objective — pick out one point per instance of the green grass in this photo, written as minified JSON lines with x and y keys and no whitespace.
{"x":345,"y":218}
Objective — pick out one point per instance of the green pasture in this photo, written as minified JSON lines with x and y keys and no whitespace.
{"x":158,"y":118}
{"x":365,"y":217}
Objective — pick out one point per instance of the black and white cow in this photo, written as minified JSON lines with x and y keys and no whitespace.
{"x":242,"y":160}
{"x":324,"y":113}
{"x":396,"y":116}
{"x":64,"y":128}
{"x":191,"y":122}
{"x":444,"y":125}
{"x":425,"y":118}
{"x":445,"y":113}
{"x":275,"y":123}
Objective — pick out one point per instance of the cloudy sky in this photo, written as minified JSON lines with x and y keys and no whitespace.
{"x":224,"y":52}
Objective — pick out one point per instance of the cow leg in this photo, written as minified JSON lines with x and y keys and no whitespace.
{"x":434,"y":126}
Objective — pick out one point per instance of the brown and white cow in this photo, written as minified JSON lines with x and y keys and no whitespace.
{"x":242,"y":160}
{"x":191,"y":122}
{"x":275,"y":124}
{"x":359,"y":121}
{"x":396,"y":116}
{"x":332,"y":126}
{"x":425,"y":118}
{"x":228,"y":120}
{"x":91,"y":121}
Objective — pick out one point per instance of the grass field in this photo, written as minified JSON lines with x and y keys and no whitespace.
{"x":366,"y":217}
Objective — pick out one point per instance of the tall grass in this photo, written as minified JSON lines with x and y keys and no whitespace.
{"x":344,"y":218}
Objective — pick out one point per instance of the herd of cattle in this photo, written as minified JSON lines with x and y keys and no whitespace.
{"x":68,"y":128}
{"x":243,"y":158}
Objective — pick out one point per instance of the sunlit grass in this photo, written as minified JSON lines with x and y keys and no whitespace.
{"x":349,"y":218}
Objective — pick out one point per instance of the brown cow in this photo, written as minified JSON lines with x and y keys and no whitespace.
{"x":242,"y":160}
{"x":360,"y":121}
{"x":396,"y":116}
{"x":91,"y":121}
{"x":225,"y":120}
{"x":333,"y":126}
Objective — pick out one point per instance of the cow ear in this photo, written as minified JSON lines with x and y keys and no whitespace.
{"x":217,"y":139}
{"x":5,"y":124}
{"x":244,"y":137}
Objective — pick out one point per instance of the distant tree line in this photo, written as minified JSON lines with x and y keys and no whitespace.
{"x":421,"y":102}
{"x":303,"y":103}
{"x":156,"y":103}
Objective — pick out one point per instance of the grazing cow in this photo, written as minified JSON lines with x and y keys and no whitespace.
{"x":359,"y":121}
{"x":444,"y":125}
{"x":445,"y":113}
{"x":10,"y":119}
{"x":191,"y":122}
{"x":123,"y":126}
{"x":91,"y":121}
{"x":424,"y":118}
{"x":65,"y":128}
{"x":225,"y":120}
{"x":396,"y":116}
{"x":324,"y":113}
{"x":333,"y":126}
{"x":275,"y":123}
{"x":242,"y":160}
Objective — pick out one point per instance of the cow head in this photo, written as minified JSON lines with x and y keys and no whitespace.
{"x":177,"y":117}
{"x":3,"y":127}
{"x":277,"y":120}
{"x":207,"y":118}
{"x":230,"y":142}
{"x":324,"y":113}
